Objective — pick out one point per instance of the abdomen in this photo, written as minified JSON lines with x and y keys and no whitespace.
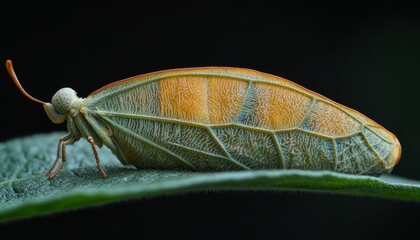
{"x":215,"y":119}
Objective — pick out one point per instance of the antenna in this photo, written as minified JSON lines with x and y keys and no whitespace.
{"x":12,"y":73}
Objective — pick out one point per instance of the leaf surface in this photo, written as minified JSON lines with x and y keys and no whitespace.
{"x":25,"y":191}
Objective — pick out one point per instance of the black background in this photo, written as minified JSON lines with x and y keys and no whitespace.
{"x":363,"y":55}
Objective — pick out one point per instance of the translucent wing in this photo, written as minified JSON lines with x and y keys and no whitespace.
{"x":232,"y":119}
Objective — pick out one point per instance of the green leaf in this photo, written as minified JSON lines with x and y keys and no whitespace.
{"x":25,"y":191}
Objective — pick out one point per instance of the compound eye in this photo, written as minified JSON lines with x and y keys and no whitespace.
{"x":62,"y":100}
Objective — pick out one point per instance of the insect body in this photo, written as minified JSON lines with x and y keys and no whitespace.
{"x":219,"y":119}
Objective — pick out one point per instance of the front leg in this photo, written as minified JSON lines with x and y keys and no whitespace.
{"x":67,"y":140}
{"x":60,"y":142}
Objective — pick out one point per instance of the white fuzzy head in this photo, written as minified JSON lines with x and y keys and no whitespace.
{"x":63,"y":99}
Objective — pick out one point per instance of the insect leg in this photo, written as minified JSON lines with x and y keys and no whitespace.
{"x":60,"y":142}
{"x":98,"y":162}
{"x":63,"y":156}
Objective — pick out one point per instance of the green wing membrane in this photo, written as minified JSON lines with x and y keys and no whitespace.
{"x":127,"y":117}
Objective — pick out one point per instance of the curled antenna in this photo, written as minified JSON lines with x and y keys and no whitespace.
{"x":12,"y":73}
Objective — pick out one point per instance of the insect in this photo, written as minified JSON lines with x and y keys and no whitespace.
{"x":219,"y":119}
